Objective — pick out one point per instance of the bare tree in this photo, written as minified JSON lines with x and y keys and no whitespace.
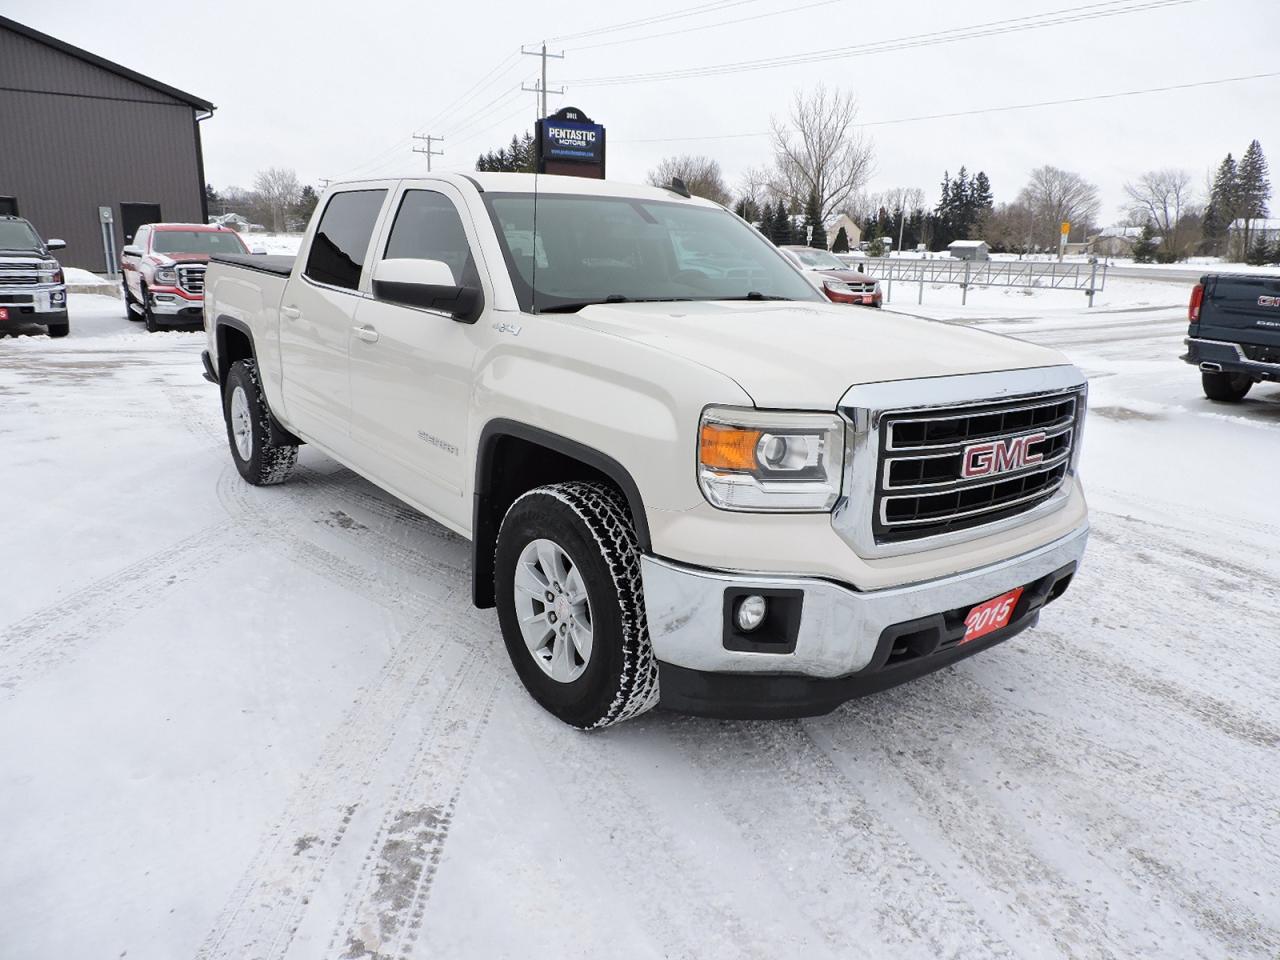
{"x":1011,"y":227}
{"x":700,"y":174}
{"x":279,"y":189}
{"x":1163,"y":198}
{"x":1056,"y":196}
{"x":819,"y":149}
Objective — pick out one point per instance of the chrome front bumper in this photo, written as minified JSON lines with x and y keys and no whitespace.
{"x":41,"y":298}
{"x":840,"y":628}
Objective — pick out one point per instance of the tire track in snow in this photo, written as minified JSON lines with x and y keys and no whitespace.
{"x":59,"y":631}
{"x":385,"y":909}
{"x":890,"y":900}
{"x":296,"y":852}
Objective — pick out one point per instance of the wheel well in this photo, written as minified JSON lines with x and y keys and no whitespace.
{"x":514,"y":459}
{"x":233,"y":344}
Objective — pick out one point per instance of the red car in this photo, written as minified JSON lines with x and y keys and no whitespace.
{"x":163,"y":271}
{"x":840,"y":283}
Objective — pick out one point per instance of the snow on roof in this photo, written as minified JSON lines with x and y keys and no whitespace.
{"x":1126,"y":233}
{"x":966,"y":244}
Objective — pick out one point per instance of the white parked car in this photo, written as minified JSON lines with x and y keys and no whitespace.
{"x":700,"y":486}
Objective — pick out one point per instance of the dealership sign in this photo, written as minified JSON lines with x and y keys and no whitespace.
{"x":571,"y":144}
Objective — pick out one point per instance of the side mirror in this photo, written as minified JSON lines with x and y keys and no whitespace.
{"x":131,"y":251}
{"x":427,"y":284}
{"x":259,"y":251}
{"x":56,"y":244}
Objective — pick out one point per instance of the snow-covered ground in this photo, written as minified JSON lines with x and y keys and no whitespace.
{"x":241,"y":723}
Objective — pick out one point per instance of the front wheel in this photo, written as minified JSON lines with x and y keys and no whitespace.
{"x":259,"y":461}
{"x":571,"y":605}
{"x":58,"y":329}
{"x":1225,"y":387}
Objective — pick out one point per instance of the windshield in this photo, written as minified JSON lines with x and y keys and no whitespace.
{"x":596,"y":249}
{"x":197,"y":241}
{"x":18,"y":235}
{"x":818,"y":259}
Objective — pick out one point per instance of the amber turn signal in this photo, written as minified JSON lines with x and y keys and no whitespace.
{"x":728,"y":448}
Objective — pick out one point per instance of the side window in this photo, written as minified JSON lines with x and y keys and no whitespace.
{"x":427,"y":227}
{"x":342,"y":238}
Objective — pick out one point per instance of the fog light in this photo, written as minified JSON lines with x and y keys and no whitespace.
{"x":751,"y":612}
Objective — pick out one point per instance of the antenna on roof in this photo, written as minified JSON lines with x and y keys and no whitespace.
{"x":677,"y":186}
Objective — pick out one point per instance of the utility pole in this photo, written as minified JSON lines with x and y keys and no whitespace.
{"x":427,"y":149}
{"x":541,"y":87}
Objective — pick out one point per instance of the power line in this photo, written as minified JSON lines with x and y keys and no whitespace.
{"x":541,"y":87}
{"x":970,"y":113}
{"x":658,"y":18}
{"x":1078,"y":14}
{"x":427,"y":149}
{"x":704,"y":26}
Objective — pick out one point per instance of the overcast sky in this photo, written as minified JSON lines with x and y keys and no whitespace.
{"x":336,"y":90}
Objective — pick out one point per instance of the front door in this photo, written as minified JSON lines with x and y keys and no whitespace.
{"x":134,"y":215}
{"x":411,"y":386}
{"x":317,"y":313}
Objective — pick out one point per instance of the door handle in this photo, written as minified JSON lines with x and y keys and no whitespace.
{"x":290,"y":313}
{"x":366,"y":333}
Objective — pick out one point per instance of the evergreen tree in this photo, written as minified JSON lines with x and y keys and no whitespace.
{"x":1260,"y":253}
{"x":813,"y":218}
{"x":782,"y":225}
{"x":766,"y":220}
{"x":841,"y":243}
{"x":981,"y":194}
{"x":1254,"y":189}
{"x":1220,"y":211}
{"x":942,"y":232}
{"x":1144,"y":247}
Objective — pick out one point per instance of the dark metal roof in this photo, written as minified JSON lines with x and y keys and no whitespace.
{"x":105,"y":64}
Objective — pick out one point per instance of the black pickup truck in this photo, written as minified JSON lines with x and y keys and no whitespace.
{"x":1235,"y":333}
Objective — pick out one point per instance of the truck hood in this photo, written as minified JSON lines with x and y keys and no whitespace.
{"x":806,"y":355}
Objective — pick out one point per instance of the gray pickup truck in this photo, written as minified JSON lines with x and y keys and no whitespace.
{"x":32,"y":290}
{"x":1234,"y":336}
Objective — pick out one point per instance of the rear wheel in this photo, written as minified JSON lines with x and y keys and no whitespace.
{"x":58,"y":329}
{"x":129,"y":311}
{"x":259,"y":460}
{"x":1225,"y":387}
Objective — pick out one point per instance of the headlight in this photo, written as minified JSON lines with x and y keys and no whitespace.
{"x":166,"y":275}
{"x":763,"y":461}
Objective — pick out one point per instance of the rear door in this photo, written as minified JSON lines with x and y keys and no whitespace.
{"x":317,"y":314}
{"x":1241,"y":310}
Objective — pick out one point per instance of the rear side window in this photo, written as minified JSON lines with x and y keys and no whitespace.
{"x":342,"y":238}
{"x":427,"y":227}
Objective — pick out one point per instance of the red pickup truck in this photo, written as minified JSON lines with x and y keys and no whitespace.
{"x":163,"y":271}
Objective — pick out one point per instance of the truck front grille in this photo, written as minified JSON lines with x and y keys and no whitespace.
{"x":1018,"y":453}
{"x":18,"y":278}
{"x":191,"y":277}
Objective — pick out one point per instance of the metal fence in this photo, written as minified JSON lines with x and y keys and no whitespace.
{"x":1088,"y":277}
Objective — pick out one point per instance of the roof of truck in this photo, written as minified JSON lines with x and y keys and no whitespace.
{"x":197,"y":227}
{"x":547,"y":183}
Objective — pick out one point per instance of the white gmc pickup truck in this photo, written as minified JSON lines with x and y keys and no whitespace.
{"x":688,"y":478}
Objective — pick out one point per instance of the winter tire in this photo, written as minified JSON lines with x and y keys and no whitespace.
{"x":259,"y":461}
{"x":148,"y":316}
{"x":571,"y":605}
{"x":1226,"y":387}
{"x":58,"y":329}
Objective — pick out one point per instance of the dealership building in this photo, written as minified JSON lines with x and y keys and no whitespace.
{"x":92,"y":149}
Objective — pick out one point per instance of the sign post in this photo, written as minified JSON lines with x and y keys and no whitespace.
{"x":1062,"y":241}
{"x":107,"y":218}
{"x":571,"y":144}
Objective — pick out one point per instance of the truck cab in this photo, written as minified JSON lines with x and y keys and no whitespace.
{"x":32,"y":287}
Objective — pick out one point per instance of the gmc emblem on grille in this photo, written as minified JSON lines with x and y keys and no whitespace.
{"x":1269,"y":301}
{"x":1000,"y":456}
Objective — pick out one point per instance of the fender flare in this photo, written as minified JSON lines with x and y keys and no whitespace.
{"x":484,"y":526}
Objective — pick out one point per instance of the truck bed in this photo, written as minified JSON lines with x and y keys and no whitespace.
{"x":278,"y":264}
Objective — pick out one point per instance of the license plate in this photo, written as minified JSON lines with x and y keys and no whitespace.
{"x":4,"y":313}
{"x":990,"y":616}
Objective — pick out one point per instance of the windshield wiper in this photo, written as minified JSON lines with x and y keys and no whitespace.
{"x":576,"y":305}
{"x":757,"y":295}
